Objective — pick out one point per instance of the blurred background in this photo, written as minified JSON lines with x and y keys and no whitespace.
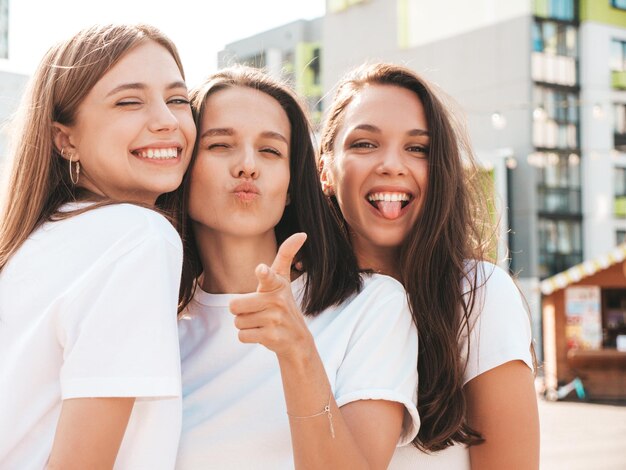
{"x":542,"y":85}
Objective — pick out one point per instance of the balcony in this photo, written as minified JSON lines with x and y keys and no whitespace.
{"x":559,"y":201}
{"x":551,"y":263}
{"x":554,"y":69}
{"x":618,"y":79}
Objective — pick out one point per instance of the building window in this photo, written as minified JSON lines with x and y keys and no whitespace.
{"x":555,"y":122}
{"x":619,"y":4}
{"x":619,"y":185}
{"x":557,"y":9}
{"x":619,"y":131}
{"x":555,"y":49}
{"x":618,"y":55}
{"x":620,"y":237}
{"x":618,"y":64}
{"x":560,"y":245}
{"x":558,"y":190}
{"x":555,"y":38}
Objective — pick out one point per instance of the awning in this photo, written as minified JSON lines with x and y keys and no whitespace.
{"x":583,"y":270}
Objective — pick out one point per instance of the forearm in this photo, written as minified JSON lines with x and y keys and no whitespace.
{"x":307,"y":392}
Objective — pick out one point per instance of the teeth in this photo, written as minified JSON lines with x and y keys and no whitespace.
{"x":388,"y":197}
{"x":158,"y":154}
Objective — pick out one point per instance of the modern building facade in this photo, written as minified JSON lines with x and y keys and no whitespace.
{"x":542,"y":85}
{"x":291,"y":52}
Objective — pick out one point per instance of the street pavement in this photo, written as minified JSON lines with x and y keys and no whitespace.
{"x":582,"y":436}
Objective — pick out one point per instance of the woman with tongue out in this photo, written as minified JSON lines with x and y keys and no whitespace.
{"x":281,"y":369}
{"x":400,"y":171}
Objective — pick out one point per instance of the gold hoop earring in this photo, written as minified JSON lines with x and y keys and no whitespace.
{"x":69,"y":157}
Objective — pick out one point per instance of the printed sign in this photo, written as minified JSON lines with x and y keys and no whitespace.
{"x":583,"y":319}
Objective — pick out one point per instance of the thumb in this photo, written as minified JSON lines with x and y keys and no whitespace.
{"x":269,"y":281}
{"x":286,"y":253}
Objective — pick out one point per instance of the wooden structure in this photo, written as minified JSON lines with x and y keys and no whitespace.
{"x":584,"y":326}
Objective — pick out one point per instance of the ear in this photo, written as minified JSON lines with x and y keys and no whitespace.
{"x":62,"y":137}
{"x":326,"y":176}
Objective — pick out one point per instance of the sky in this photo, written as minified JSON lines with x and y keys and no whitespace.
{"x":199,"y":28}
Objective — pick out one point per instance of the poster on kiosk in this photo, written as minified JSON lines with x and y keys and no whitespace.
{"x":583,"y":326}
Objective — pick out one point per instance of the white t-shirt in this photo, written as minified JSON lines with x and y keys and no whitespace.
{"x":500,"y":332}
{"x":88,"y":309}
{"x":234,"y":413}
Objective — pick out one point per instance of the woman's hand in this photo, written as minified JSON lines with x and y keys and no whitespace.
{"x":270,"y":316}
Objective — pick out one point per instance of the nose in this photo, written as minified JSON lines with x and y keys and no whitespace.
{"x":391,"y":163}
{"x":162,"y":119}
{"x":246,"y":166}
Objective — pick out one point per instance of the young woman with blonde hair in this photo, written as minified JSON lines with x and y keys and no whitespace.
{"x":401,"y":172}
{"x":282,"y":369}
{"x":89,"y":273}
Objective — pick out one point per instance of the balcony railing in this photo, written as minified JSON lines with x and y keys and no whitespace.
{"x":559,"y":200}
{"x":618,"y":79}
{"x":551,"y":263}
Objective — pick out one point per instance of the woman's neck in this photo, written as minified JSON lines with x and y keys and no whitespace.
{"x":229,"y":261}
{"x":380,"y":259}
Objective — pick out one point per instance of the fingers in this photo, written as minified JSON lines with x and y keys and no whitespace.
{"x":269,"y":280}
{"x":286,"y":253}
{"x":257,"y":320}
{"x":244,"y":304}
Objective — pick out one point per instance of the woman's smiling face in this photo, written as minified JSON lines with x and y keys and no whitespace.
{"x":134,"y":131}
{"x":379,"y":167}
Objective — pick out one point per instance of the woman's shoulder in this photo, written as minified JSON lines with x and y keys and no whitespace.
{"x":484,"y":275}
{"x":123,"y":221}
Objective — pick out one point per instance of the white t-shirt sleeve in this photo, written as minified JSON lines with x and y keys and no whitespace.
{"x":118,"y":325}
{"x":381,"y":359}
{"x":502,"y":330}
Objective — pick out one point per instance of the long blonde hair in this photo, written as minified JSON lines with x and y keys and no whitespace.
{"x":39,"y":179}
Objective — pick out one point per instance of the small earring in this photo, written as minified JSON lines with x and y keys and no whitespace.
{"x":327,"y":189}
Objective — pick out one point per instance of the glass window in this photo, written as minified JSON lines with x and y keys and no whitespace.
{"x":619,"y":4}
{"x":560,"y":245}
{"x":618,"y":55}
{"x":620,"y":237}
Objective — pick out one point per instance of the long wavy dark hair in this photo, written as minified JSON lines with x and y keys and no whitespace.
{"x":326,"y":257}
{"x":454,"y":226}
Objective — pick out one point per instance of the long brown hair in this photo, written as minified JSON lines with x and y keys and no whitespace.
{"x":38,"y":180}
{"x":453,"y":227}
{"x":331,"y":267}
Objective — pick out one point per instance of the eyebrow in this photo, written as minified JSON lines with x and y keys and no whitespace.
{"x":376,"y":130}
{"x":143,"y":86}
{"x":229,"y":132}
{"x":275,"y":135}
{"x":218,"y":132}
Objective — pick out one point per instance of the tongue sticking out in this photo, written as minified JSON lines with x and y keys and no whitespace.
{"x":389,"y":209}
